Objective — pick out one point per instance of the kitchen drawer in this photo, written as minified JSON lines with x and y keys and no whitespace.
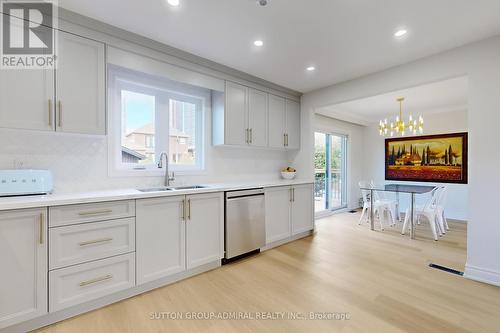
{"x":80,"y":243}
{"x":81,"y":283}
{"x":74,"y":214}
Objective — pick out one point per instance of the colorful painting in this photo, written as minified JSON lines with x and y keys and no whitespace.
{"x":432,"y":158}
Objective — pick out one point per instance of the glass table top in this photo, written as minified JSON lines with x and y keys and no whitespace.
{"x":401,"y":188}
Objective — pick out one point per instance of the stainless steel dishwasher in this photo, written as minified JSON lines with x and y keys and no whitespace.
{"x":245,"y":224}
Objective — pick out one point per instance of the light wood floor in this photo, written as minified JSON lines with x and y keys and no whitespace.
{"x":380,"y":278}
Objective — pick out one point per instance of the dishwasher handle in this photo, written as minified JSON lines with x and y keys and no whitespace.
{"x":244,"y":193}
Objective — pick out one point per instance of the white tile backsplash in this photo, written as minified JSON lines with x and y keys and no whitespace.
{"x":79,"y":162}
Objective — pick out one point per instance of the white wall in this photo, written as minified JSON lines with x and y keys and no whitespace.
{"x":436,"y":123}
{"x":481,"y":62}
{"x":354,"y":152}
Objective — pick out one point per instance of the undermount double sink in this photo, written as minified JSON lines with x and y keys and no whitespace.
{"x":171,"y":188}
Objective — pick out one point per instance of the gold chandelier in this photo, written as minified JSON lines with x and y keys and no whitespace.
{"x":413,"y":126}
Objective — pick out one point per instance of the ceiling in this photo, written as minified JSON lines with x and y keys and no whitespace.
{"x":443,"y":96}
{"x":343,"y":39}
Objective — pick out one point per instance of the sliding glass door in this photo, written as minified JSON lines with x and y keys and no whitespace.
{"x":330,"y":190}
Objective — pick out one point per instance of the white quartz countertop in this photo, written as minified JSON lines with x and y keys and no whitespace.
{"x":58,"y":199}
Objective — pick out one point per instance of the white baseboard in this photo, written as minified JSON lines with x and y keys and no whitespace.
{"x":482,"y":275}
{"x":286,"y":240}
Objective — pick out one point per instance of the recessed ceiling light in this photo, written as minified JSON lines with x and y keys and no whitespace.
{"x":258,"y":43}
{"x":173,"y":2}
{"x":400,"y":33}
{"x":310,"y":68}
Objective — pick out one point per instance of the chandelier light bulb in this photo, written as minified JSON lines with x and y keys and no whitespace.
{"x":413,"y":125}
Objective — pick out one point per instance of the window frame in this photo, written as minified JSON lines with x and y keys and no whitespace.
{"x":122,"y":79}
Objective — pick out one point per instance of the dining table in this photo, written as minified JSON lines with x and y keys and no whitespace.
{"x":412,"y":190}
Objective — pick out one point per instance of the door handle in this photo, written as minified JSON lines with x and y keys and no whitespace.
{"x":293,"y":194}
{"x":189,"y":209}
{"x":59,"y":120}
{"x":251,"y":135}
{"x":286,"y":135}
{"x":183,"y":204}
{"x":284,"y":139}
{"x":42,"y":228}
{"x":50,"y":112}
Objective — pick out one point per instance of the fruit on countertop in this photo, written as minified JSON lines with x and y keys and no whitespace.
{"x":288,"y":169}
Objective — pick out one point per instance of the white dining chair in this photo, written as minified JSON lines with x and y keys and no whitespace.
{"x":392,"y":207}
{"x":441,"y":202}
{"x":429,"y":211}
{"x":378,"y":206}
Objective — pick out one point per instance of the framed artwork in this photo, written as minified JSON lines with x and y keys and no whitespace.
{"x":431,"y":158}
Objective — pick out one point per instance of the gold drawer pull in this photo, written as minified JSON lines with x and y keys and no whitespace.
{"x":96,"y":212}
{"x":99,"y":279}
{"x":95,"y":241}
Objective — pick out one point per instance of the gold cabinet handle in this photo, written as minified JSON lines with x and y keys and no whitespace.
{"x":42,"y":228}
{"x":183,"y":204}
{"x":284,"y":139}
{"x":251,"y":135}
{"x":99,"y":279}
{"x":286,"y":136}
{"x":59,"y":120}
{"x":189,"y":209}
{"x":95,"y":241}
{"x":293,"y":194}
{"x":96,"y":212}
{"x":50,"y":112}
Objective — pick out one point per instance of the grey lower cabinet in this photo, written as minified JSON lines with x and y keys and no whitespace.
{"x":23,"y":258}
{"x":178,"y":233}
{"x":289,"y":211}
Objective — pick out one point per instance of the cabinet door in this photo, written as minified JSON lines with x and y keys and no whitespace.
{"x":257,"y":117}
{"x":236,"y":116}
{"x":204,"y":229}
{"x":293,"y":124}
{"x":278,"y":200}
{"x":160,"y":238}
{"x":276,"y":123}
{"x":302,"y":208}
{"x":80,"y":85}
{"x":27,"y":96}
{"x":23,"y":281}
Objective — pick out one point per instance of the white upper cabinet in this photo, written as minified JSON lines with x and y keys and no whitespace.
{"x":160,"y":238}
{"x":23,"y":281}
{"x":244,"y":116}
{"x":276,"y":121}
{"x":236,"y":114}
{"x":80,"y":85}
{"x":204,"y":228}
{"x":26,"y":99}
{"x":257,"y":118}
{"x":27,"y":96}
{"x":292,"y":125}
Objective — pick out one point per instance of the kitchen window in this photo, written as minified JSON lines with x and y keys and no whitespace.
{"x":150,"y":115}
